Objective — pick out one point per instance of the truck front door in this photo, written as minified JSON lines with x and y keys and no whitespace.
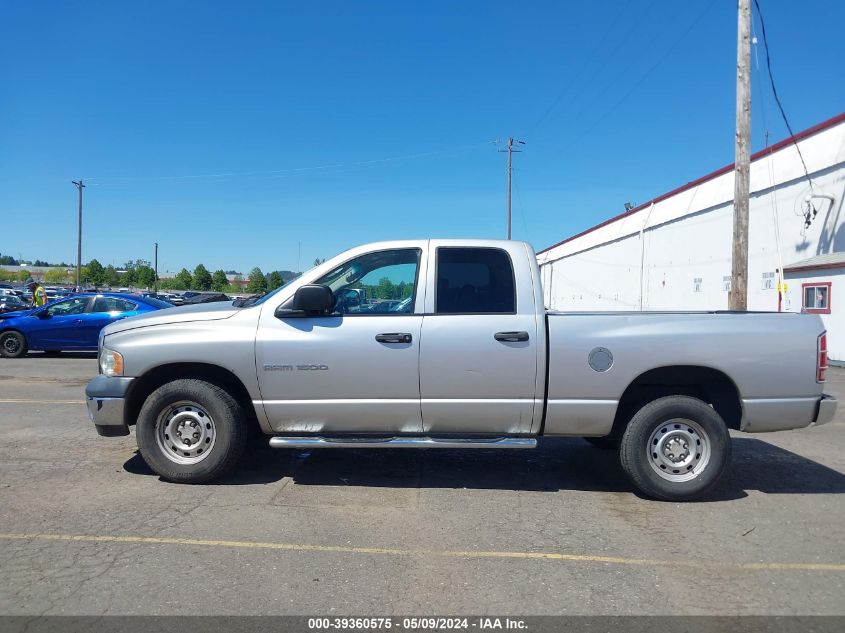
{"x":357,"y":370}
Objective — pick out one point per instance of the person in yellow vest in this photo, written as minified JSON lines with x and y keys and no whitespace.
{"x":39,"y":296}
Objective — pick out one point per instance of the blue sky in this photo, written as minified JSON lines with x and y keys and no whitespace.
{"x":232,"y":132}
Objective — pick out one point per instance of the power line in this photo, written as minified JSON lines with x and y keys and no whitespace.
{"x":276,"y":173}
{"x":601,"y":43}
{"x":775,"y":91}
{"x":645,"y":76}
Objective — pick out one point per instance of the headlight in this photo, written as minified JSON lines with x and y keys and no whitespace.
{"x":111,"y":362}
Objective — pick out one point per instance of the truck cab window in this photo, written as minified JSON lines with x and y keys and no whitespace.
{"x":383,"y":282}
{"x":474,"y":281}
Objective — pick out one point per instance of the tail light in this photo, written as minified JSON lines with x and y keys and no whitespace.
{"x":821,"y":358}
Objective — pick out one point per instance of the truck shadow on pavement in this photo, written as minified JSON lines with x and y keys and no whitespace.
{"x":557,"y":464}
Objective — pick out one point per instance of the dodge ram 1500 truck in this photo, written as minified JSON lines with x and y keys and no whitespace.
{"x":455,"y":350}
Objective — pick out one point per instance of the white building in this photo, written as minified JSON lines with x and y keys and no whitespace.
{"x":674,"y":252}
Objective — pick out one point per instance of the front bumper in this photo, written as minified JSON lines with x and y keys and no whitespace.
{"x":827,"y":409}
{"x":106,"y":398}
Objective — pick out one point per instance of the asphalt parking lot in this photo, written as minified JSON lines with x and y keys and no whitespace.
{"x":86,"y":528}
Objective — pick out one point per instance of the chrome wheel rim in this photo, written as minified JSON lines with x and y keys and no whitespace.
{"x":185,"y":432}
{"x":679,"y":450}
{"x":11,"y":344}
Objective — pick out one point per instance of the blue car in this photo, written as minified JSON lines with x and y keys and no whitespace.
{"x":68,"y":324}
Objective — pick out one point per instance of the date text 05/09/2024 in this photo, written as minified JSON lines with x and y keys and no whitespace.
{"x":416,"y":623}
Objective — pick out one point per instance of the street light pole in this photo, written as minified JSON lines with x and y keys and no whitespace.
{"x":155,"y":282}
{"x":80,"y":186}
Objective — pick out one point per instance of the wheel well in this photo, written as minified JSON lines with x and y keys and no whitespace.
{"x":707,"y":384}
{"x":144,"y":385}
{"x":16,"y":330}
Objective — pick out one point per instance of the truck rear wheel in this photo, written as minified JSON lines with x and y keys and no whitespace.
{"x":675,"y":448}
{"x":191,"y":431}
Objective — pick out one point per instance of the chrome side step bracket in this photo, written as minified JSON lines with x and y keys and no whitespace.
{"x":401,"y":442}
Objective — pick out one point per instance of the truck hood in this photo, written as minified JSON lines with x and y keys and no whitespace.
{"x":180,"y":314}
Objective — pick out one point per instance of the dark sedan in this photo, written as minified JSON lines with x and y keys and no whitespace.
{"x":11,"y":303}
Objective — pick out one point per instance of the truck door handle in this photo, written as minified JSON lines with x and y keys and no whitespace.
{"x":394,"y":337}
{"x":511,"y":337}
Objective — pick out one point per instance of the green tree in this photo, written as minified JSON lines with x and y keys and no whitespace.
{"x":257,"y":284}
{"x":202,"y":278}
{"x":94,"y":273}
{"x":274,"y":280}
{"x":110,"y":276}
{"x":183,"y":279}
{"x":219,"y":281}
{"x":23,"y":275}
{"x":385,"y":289}
{"x":55,"y":276}
{"x":145,"y":276}
{"x":129,"y":274}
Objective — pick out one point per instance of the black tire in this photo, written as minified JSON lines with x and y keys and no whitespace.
{"x":676,"y":427}
{"x":604,"y":443}
{"x":12,"y":344}
{"x":177,"y":404}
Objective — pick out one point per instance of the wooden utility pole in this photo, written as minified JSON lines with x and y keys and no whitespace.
{"x":742,"y":175}
{"x":510,"y":150}
{"x":79,"y":185}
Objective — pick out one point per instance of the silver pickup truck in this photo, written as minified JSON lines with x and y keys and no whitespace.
{"x":447,"y":344}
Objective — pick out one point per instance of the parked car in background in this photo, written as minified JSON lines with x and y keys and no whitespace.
{"x":71,"y":324}
{"x":205,"y":297}
{"x":160,"y":296}
{"x":11,"y":303}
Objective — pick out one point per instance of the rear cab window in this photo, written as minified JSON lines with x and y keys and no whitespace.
{"x":474,"y":281}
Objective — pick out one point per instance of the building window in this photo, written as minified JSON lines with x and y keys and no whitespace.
{"x":816,"y":298}
{"x":726,"y":283}
{"x":696,"y":284}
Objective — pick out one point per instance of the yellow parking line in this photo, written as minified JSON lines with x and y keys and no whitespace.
{"x":26,"y":401}
{"x":342,"y":549}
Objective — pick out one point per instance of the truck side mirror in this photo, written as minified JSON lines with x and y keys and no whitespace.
{"x":310,"y":300}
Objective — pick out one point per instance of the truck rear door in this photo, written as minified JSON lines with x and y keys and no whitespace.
{"x":480,"y":346}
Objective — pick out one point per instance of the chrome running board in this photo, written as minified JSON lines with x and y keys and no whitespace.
{"x":402,"y":442}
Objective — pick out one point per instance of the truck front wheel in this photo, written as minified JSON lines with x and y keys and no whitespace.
{"x":191,"y":431}
{"x":675,"y":448}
